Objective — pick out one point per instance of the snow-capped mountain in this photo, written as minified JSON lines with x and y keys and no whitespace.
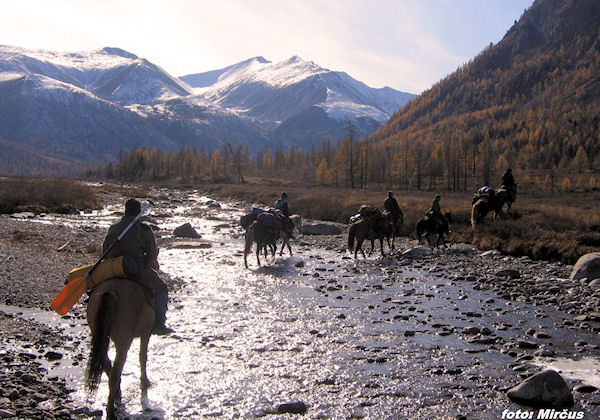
{"x":273,"y":93}
{"x":85,"y":107}
{"x":109,"y":73}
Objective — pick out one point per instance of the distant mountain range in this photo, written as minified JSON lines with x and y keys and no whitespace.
{"x":61,"y":110}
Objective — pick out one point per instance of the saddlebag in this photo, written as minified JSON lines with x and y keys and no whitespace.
{"x":109,"y":268}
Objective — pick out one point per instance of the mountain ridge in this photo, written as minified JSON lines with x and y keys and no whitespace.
{"x":89,"y":105}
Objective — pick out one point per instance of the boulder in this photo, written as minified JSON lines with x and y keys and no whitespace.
{"x":513,"y":274}
{"x":185,"y":231}
{"x":418,"y":251}
{"x":588,"y":266}
{"x":292,"y":408}
{"x":321,"y":228}
{"x":546,"y":389}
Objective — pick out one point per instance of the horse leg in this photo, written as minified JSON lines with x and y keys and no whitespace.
{"x":114,"y":382}
{"x":289,"y":247}
{"x":145,"y":383}
{"x":359,"y":245}
{"x":381,"y":245}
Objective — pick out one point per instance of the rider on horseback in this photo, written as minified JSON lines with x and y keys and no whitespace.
{"x":509,"y":184}
{"x":282,"y":205}
{"x":140,"y":252}
{"x":390,"y":204}
{"x":435,"y":213}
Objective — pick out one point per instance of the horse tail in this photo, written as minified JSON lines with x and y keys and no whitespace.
{"x":250,"y":235}
{"x":420,"y":229}
{"x":351,"y":234}
{"x":474,"y":214}
{"x":100,"y":342}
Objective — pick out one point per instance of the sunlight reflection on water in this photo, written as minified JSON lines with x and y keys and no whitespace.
{"x":347,"y":338}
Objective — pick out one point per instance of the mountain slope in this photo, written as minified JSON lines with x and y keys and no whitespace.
{"x":110,"y":73}
{"x":85,"y":107}
{"x":531,"y":101}
{"x":69,"y":122}
{"x":273,"y":93}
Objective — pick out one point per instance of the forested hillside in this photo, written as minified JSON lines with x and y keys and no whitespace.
{"x":531,"y":102}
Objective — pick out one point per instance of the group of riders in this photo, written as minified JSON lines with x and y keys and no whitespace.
{"x":140,"y":252}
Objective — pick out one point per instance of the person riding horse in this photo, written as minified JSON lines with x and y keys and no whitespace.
{"x":390,"y":204}
{"x":140,"y":252}
{"x":435,"y":213}
{"x":508,"y":183}
{"x":282,"y":205}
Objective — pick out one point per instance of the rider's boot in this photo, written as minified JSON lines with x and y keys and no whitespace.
{"x":160,"y":309}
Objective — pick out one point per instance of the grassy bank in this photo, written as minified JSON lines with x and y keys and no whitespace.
{"x":549,"y":227}
{"x":45,"y":195}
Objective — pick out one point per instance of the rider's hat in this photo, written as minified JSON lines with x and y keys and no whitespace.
{"x":132,"y":207}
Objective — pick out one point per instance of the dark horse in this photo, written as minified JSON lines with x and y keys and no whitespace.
{"x":117,"y":310}
{"x":394,"y":228}
{"x":266,"y":238}
{"x":508,"y":195}
{"x":427,"y":227}
{"x":485,"y":205}
{"x":361,"y":230}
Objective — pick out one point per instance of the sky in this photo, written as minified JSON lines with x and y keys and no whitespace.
{"x":408,"y":45}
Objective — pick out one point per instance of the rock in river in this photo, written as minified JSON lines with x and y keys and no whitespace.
{"x":546,"y":389}
{"x":185,"y":231}
{"x":588,"y":266}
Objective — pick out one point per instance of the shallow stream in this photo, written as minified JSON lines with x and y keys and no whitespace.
{"x":376,"y":338}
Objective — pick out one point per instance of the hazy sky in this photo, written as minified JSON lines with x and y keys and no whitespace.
{"x":405,"y":44}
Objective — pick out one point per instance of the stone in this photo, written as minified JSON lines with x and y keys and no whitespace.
{"x":546,"y":389}
{"x":185,"y":231}
{"x":52,"y":355}
{"x":183,"y":244}
{"x":418,"y":251}
{"x":587,"y":266}
{"x":583,"y":388}
{"x":292,"y":408}
{"x":491,"y":254}
{"x":6,"y":414}
{"x":321,"y":228}
{"x":513,"y":274}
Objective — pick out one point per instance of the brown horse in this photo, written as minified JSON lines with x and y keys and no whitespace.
{"x":483,"y":206}
{"x":395,"y":229}
{"x":427,"y":227}
{"x":361,"y":230}
{"x":266,"y":238}
{"x":117,"y":310}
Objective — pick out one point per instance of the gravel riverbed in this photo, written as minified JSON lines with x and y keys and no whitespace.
{"x":35,"y":257}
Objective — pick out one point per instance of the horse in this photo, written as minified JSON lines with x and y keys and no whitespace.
{"x":508,"y":195}
{"x":297,"y":221}
{"x":267,"y":238}
{"x":117,"y":311}
{"x":363,"y":229}
{"x":483,"y":206}
{"x":427,"y":227}
{"x":395,"y":228}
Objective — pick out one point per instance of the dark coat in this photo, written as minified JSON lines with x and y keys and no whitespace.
{"x":138,"y":246}
{"x":390,"y":204}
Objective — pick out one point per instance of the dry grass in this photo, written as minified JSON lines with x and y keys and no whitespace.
{"x":560,"y":227}
{"x":45,"y":195}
